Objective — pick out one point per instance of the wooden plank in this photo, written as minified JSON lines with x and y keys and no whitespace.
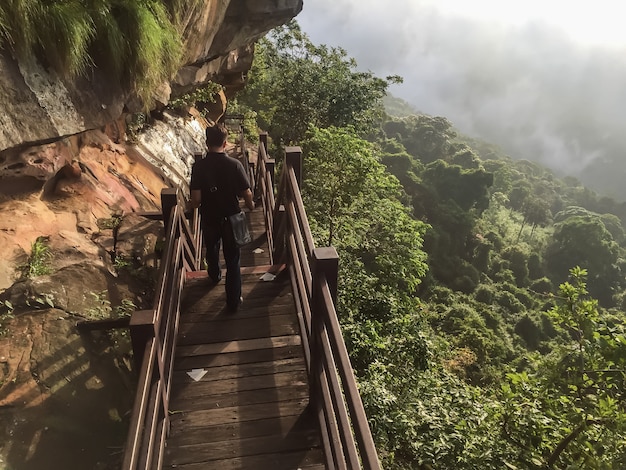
{"x":240,"y":357}
{"x":236,"y":346}
{"x":278,"y":427}
{"x":202,"y":418}
{"x":192,"y":389}
{"x":259,"y":269}
{"x":303,"y":440}
{"x":241,"y":398}
{"x":311,"y":459}
{"x":214,"y":295}
{"x":236,"y":329}
{"x":242,"y":370}
{"x":249,"y":308}
{"x":207,"y":292}
{"x":260,"y":301}
{"x":209,"y":296}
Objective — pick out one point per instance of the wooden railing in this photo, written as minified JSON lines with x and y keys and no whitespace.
{"x":264,"y":190}
{"x":153,"y":333}
{"x":333,"y":390}
{"x":334,"y":395}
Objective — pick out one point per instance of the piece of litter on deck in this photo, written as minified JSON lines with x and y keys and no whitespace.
{"x":258,"y":250}
{"x":196,"y":374}
{"x":268,"y":277}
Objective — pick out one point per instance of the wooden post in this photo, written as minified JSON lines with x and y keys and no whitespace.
{"x":279,"y":233}
{"x":270,"y":164}
{"x":169,"y":199}
{"x":263,"y":139}
{"x":141,"y":330}
{"x":324,"y":263}
{"x":293,"y":157}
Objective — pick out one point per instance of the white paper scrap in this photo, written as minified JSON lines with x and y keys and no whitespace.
{"x":268,"y":277}
{"x":196,"y":374}
{"x":258,"y":250}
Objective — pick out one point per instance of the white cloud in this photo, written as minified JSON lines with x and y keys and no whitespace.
{"x":528,"y":76}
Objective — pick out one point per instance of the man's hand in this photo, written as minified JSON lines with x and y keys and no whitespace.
{"x":196,"y":199}
{"x":247,"y":196}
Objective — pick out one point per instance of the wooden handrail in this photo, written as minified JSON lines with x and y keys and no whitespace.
{"x":153,"y":333}
{"x":264,"y":190}
{"x":346,"y":435}
{"x":334,"y":393}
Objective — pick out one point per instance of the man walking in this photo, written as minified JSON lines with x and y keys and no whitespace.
{"x":217,"y":182}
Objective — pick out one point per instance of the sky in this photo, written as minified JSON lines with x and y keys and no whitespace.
{"x":543,"y":79}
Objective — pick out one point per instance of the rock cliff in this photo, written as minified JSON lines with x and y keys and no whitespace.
{"x":39,"y":106}
{"x":70,"y":176}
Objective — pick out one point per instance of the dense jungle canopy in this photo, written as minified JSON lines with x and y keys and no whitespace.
{"x":482,"y":298}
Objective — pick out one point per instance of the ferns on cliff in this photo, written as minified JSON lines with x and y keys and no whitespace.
{"x":18,"y":31}
{"x":138,"y":43}
{"x":156,"y":46}
{"x":66,"y":38}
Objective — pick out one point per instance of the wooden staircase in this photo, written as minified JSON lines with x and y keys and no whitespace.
{"x":247,"y":407}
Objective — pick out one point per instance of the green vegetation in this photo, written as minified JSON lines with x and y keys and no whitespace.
{"x":102,"y":309}
{"x":481,"y":298}
{"x":120,"y":262}
{"x":6,"y":314}
{"x":295,"y":84}
{"x":137,"y":43}
{"x":110,"y":223}
{"x":38,"y":262}
{"x":204,"y":94}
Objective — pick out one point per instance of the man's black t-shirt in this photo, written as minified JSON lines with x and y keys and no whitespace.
{"x":221,"y":179}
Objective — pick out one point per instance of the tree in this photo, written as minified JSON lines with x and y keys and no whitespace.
{"x":568,"y":411}
{"x":294,"y":84}
{"x":427,"y":138}
{"x":536,"y":212}
{"x":355,"y":205}
{"x":584,"y":241}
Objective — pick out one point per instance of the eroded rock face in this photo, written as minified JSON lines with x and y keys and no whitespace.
{"x":63,"y":396}
{"x":73,"y":191}
{"x":39,"y":106}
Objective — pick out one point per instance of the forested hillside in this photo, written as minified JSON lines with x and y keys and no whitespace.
{"x":482,"y":298}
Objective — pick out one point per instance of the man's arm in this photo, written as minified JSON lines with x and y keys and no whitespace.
{"x":196,"y":198}
{"x":247,"y":197}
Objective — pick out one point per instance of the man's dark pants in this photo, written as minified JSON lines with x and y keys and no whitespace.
{"x":214,"y":235}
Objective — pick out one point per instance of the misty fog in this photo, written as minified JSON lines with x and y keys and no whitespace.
{"x":530,"y":88}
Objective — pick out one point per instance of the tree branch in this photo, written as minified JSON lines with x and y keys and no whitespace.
{"x":569,"y":438}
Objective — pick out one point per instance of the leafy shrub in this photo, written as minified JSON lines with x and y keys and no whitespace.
{"x":495,"y":239}
{"x":464,"y":284}
{"x":508,"y":301}
{"x":458,"y":317}
{"x":529,"y":331}
{"x":485,"y":293}
{"x":504,"y":276}
{"x":517,"y":259}
{"x":203,"y":94}
{"x":468,"y":278}
{"x":38,"y":262}
{"x":535,"y":266}
{"x":440,"y":295}
{"x":542,"y":285}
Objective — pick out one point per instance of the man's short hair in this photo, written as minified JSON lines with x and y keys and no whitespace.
{"x":216,"y":135}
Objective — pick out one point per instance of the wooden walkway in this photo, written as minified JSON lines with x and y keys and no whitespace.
{"x":247,"y":407}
